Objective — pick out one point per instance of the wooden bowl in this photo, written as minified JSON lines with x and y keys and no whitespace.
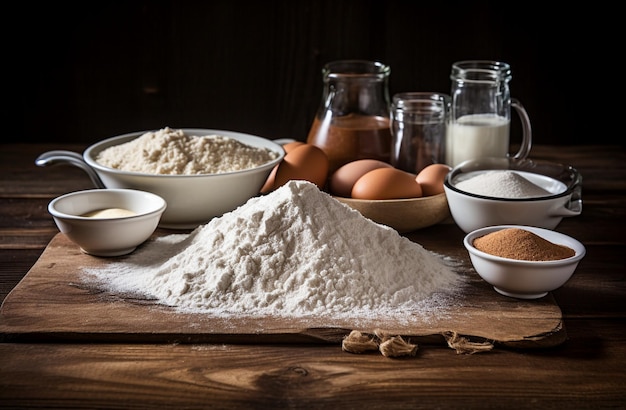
{"x":404,"y":215}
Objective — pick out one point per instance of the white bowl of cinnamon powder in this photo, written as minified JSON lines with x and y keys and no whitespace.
{"x":522,"y":261}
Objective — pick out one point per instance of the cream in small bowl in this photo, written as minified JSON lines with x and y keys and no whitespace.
{"x":522,"y":261}
{"x":107,"y":222}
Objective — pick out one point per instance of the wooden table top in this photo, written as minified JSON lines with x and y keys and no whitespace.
{"x":585,"y":371}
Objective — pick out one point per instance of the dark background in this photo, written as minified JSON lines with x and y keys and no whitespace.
{"x":85,"y":71}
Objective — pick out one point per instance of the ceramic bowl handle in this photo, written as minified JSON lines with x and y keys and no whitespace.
{"x":61,"y":157}
{"x":574,"y":205}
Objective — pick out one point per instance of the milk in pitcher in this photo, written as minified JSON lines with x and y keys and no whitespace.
{"x":480,"y":113}
{"x":476,"y":136}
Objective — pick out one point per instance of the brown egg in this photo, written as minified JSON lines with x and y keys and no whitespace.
{"x":386,"y":183}
{"x":303,"y":162}
{"x":432,"y":178}
{"x":342,"y":180}
{"x":269,"y":183}
{"x":290,"y":146}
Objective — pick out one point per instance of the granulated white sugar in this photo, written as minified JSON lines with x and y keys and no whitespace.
{"x":501,"y":184}
{"x":173,"y":152}
{"x":294,"y":252}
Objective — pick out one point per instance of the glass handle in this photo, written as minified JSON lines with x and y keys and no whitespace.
{"x":526,"y":130}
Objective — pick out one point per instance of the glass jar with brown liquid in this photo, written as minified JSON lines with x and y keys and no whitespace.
{"x":353,"y":119}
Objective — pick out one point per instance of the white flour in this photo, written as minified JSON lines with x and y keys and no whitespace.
{"x":501,"y":184}
{"x":172,"y":152}
{"x":294,"y":252}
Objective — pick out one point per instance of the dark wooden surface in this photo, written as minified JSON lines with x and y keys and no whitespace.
{"x":586,"y":371}
{"x":54,"y":302}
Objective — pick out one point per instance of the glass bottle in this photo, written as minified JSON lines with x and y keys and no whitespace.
{"x":352,"y":121}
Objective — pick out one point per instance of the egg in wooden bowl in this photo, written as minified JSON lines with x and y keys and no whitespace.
{"x":393,"y":197}
{"x":379,"y":191}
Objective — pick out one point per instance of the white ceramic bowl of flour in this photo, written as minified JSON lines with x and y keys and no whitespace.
{"x":192,"y":200}
{"x":504,"y":191}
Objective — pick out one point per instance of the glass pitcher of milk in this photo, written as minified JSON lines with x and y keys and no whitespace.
{"x":480,"y":113}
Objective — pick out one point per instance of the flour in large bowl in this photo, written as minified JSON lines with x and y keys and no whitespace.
{"x":294,"y":252}
{"x":173,"y":152}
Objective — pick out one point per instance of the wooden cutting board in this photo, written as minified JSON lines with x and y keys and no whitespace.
{"x":53,"y":302}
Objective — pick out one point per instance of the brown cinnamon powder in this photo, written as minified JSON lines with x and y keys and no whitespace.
{"x":516,"y":243}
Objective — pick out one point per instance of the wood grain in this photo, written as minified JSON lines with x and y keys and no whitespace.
{"x":54,"y":300}
{"x":314,"y":376}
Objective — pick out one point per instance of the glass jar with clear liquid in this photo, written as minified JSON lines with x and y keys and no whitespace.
{"x":352,"y":121}
{"x":480,"y":113}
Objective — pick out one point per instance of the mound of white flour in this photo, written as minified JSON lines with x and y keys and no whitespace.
{"x":294,"y":252}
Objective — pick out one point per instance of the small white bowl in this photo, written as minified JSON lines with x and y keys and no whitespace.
{"x":107,"y":236}
{"x":472,"y":211}
{"x":520,"y":278}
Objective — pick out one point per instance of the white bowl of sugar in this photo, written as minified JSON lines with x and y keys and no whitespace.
{"x":504,"y":191}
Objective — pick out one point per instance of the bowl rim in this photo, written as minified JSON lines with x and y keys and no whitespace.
{"x":510,"y":164}
{"x":162,"y":204}
{"x":578,"y":247}
{"x":389,"y":201}
{"x":94,"y":149}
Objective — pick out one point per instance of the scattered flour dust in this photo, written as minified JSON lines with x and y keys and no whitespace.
{"x":295,"y":252}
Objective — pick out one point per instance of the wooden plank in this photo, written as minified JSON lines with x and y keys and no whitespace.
{"x":584,"y":373}
{"x":54,"y":302}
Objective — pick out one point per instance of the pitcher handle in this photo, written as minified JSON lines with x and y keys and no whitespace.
{"x":526,"y":129}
